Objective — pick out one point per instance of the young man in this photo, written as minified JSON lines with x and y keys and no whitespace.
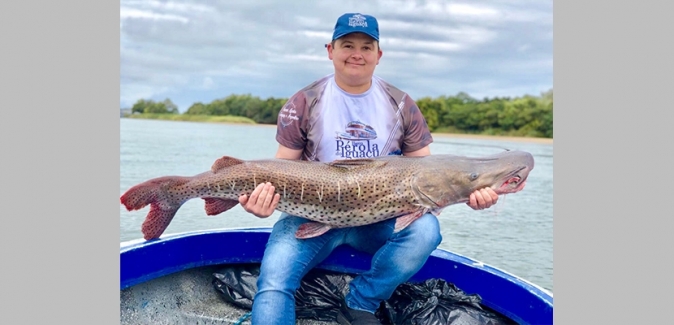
{"x":349,"y":114}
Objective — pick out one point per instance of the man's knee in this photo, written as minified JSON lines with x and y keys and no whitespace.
{"x":427,"y":230}
{"x":278,"y":279}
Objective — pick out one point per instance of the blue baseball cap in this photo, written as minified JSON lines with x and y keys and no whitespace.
{"x":355,"y":22}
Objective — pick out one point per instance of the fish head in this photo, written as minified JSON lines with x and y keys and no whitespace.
{"x":505,"y":172}
{"x":445,"y":179}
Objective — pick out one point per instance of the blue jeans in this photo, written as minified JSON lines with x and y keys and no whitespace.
{"x":396,"y":258}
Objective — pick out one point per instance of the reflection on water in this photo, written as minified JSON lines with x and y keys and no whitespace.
{"x":514,"y":235}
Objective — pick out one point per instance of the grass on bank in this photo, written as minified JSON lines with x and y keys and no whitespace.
{"x":525,"y":133}
{"x":193,"y":118}
{"x":245,"y":120}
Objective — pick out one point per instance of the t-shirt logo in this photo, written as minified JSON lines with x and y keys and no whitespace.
{"x":357,"y":131}
{"x":354,"y":142}
{"x":288,"y":114}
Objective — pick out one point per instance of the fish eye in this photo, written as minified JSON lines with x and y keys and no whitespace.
{"x":473,"y":176}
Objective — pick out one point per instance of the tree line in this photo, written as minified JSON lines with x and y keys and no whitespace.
{"x":521,"y":116}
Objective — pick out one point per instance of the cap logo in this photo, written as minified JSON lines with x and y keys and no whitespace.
{"x":357,"y":20}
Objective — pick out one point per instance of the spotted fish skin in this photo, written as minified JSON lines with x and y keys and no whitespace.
{"x":343,"y":193}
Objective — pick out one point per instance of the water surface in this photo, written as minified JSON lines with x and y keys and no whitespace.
{"x":515,"y":235}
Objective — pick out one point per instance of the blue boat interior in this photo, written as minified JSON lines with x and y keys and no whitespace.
{"x":168,"y":280}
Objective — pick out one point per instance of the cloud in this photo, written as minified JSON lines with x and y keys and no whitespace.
{"x":134,"y":13}
{"x":208,"y":83}
{"x":192,"y":51}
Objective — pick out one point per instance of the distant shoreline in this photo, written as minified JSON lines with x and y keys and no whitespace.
{"x":493,"y":137}
{"x":456,"y":135}
{"x":435,"y":134}
{"x":462,"y":135}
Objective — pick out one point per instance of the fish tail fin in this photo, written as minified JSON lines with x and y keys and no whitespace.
{"x":162,"y":207}
{"x":149,"y":192}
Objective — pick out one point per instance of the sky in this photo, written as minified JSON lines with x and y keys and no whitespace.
{"x":199,"y":51}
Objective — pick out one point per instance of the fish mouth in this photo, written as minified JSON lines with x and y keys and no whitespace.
{"x":514,"y":182}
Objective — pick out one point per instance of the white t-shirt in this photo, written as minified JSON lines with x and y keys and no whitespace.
{"x":330,"y":124}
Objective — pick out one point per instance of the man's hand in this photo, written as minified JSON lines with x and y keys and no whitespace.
{"x":482,"y":199}
{"x":262,"y":201}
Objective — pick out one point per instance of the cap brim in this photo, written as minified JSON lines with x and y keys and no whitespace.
{"x":355,"y":31}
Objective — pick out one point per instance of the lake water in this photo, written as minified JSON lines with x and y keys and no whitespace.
{"x":514,"y":235}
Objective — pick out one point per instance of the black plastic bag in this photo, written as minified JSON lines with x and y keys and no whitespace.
{"x":433,"y":302}
{"x":317,"y":298}
{"x":237,"y":284}
{"x":320,"y":294}
{"x":436,"y":301}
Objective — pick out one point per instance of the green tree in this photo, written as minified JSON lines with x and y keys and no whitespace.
{"x":150,"y":106}
{"x":170,"y":106}
{"x":198,"y":109}
{"x":139,"y":106}
{"x":430,"y":109}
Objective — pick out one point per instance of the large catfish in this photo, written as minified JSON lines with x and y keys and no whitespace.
{"x":343,"y":193}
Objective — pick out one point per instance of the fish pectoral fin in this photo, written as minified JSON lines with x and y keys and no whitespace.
{"x":353,"y":163}
{"x":311,"y":229}
{"x":225,"y":162}
{"x":406,"y":220}
{"x":216,"y":206}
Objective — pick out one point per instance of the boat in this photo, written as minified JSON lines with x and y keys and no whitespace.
{"x":169,"y":280}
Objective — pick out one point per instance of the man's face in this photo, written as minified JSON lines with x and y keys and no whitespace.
{"x":354,"y":56}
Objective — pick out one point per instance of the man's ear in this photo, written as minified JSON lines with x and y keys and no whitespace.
{"x":329,"y":49}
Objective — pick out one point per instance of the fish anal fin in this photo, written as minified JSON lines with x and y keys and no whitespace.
{"x":406,"y":220}
{"x":311,"y":229}
{"x":216,"y":206}
{"x":224,"y":162}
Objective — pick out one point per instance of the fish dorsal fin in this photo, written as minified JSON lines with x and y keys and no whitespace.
{"x":225,"y":162}
{"x":354,"y":163}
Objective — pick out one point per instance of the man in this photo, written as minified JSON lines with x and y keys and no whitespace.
{"x":349,"y":114}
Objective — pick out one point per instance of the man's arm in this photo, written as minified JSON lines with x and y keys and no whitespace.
{"x":262,"y":201}
{"x":425,"y":151}
{"x":284,"y":152}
